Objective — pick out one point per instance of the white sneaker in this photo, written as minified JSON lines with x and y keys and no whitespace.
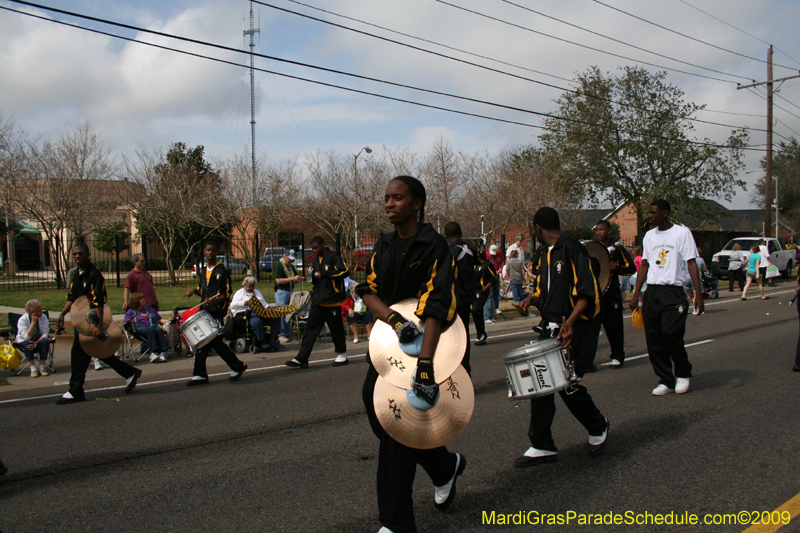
{"x":384,"y":529}
{"x":34,"y":373}
{"x":662,"y":390}
{"x":497,"y":312}
{"x":283,"y":339}
{"x":43,"y":371}
{"x":162,"y":357}
{"x":490,"y":321}
{"x":616,"y":362}
{"x":356,"y":341}
{"x":682,"y":385}
{"x":98,"y":365}
{"x":154,"y":358}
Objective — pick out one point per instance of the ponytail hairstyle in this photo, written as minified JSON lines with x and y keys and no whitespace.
{"x":417,"y":193}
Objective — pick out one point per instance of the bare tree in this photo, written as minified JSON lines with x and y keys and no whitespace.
{"x":261,"y":207}
{"x":65,"y":187}
{"x":444,"y":180}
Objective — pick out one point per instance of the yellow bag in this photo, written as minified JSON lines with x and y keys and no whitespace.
{"x":636,"y":317}
{"x":9,"y":357}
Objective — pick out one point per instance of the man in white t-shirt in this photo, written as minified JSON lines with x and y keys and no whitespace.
{"x":665,"y":306}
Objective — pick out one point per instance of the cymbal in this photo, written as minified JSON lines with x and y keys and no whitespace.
{"x":78,"y":312}
{"x":600,"y":253}
{"x":102,"y":349}
{"x":431,"y":428}
{"x":397,"y":367}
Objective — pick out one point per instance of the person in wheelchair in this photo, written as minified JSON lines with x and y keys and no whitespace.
{"x":240,"y":311}
{"x":146,"y":321}
{"x":32,"y":337}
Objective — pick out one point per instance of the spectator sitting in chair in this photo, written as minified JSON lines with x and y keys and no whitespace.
{"x":32,"y":337}
{"x":355,"y":311}
{"x":239,"y":307}
{"x":146,"y":320}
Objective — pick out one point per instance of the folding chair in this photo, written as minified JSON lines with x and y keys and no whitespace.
{"x":13,"y":318}
{"x":134,"y":343}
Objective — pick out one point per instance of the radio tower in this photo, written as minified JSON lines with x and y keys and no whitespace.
{"x":252,"y":32}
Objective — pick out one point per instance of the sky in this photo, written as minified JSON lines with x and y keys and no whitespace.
{"x":53,"y":77}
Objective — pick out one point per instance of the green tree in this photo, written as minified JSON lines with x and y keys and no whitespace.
{"x":786,"y":169}
{"x":628,"y":138}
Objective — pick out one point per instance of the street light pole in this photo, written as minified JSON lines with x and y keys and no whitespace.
{"x":355,"y":193}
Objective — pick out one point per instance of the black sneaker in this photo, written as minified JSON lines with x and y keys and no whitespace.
{"x":238,"y":375}
{"x":294,"y":363}
{"x":64,"y":400}
{"x":132,"y":384}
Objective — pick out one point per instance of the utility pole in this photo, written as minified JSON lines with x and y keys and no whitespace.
{"x":768,"y":166}
{"x":252,"y":32}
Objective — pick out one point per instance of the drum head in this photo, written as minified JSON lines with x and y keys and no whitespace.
{"x":534,"y":348}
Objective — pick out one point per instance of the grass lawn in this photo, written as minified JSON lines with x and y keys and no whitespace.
{"x":53,"y":300}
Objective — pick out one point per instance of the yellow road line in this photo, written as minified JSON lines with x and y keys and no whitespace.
{"x":793,"y":506}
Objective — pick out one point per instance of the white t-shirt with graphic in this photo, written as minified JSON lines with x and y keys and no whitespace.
{"x":666,"y":252}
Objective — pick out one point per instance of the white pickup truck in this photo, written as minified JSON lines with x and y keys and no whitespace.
{"x":783,"y":259}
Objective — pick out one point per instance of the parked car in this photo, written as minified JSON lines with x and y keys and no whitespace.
{"x":235,"y":266}
{"x":783,"y":259}
{"x":273,"y":255}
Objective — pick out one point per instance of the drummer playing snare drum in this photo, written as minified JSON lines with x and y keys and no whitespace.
{"x":564,"y":270}
{"x":214,"y":286}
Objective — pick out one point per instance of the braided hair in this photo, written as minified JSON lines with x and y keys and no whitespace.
{"x":417,"y":193}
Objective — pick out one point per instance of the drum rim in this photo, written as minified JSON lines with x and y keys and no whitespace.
{"x":515,"y":355}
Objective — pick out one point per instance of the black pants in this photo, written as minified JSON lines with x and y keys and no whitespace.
{"x":397,"y":466}
{"x":80,"y":362}
{"x":736,"y":275}
{"x":227,"y":355}
{"x":477,"y":313}
{"x":463,"y":314}
{"x":664,"y":311}
{"x":797,"y":355}
{"x":318,"y":316}
{"x":611,"y":317}
{"x":576,"y":397}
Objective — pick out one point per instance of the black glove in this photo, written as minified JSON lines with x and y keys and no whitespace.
{"x":424,"y":383}
{"x":406,"y":330}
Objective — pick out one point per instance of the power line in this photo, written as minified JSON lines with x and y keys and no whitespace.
{"x":787,"y":101}
{"x":328,"y":70}
{"x":687,"y":36}
{"x":584,"y":45}
{"x":570,"y":24}
{"x":565,"y":89}
{"x":431,"y":42}
{"x":358,"y":76}
{"x":738,"y":29}
{"x":732,"y":113}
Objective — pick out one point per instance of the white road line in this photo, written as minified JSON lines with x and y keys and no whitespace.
{"x":646,"y":354}
{"x":350,"y":357}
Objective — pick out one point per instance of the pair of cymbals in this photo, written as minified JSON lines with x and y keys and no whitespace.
{"x":101,"y":348}
{"x":397,"y":367}
{"x":394,"y":401}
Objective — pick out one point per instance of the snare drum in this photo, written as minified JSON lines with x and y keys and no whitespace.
{"x":200,"y":329}
{"x":537,"y":369}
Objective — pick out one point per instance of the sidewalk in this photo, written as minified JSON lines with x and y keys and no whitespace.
{"x":179,"y":367}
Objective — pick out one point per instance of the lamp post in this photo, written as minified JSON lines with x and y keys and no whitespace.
{"x":355,"y":192}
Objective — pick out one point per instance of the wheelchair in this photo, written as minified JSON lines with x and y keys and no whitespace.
{"x":241,"y":335}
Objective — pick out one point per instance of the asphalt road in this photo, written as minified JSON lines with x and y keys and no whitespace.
{"x":291,"y":450}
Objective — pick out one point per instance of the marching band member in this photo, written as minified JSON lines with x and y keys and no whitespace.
{"x":412,"y":262}
{"x":89,"y":282}
{"x":566,"y":287}
{"x":611,"y":305}
{"x":214,"y":287}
